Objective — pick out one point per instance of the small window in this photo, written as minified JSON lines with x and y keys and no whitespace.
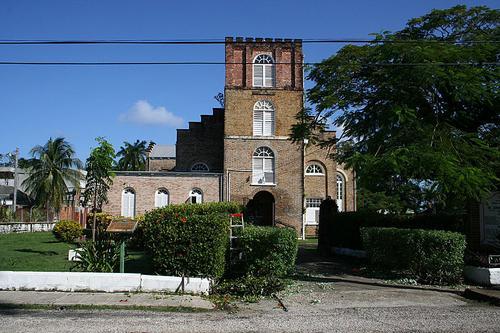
{"x":195,"y":196}
{"x":312,"y":211}
{"x":313,"y":202}
{"x":128,"y":203}
{"x":199,"y":167}
{"x":161,"y":198}
{"x":263,"y":71}
{"x":340,"y":192}
{"x":263,"y":119}
{"x":314,"y":169}
{"x":263,"y":166}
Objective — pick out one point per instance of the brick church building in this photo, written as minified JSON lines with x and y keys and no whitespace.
{"x":242,"y":152}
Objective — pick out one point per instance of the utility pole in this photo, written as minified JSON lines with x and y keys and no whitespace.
{"x":16,"y":158}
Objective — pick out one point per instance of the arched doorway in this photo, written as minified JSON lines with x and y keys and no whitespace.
{"x":260,"y":209}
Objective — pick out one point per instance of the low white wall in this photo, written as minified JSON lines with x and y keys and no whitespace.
{"x":70,"y":281}
{"x":151,"y":283}
{"x":106,"y":282}
{"x":482,"y":275}
{"x":6,"y":228}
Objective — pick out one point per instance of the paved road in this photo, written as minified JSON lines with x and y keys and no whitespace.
{"x":325,"y":299}
{"x":442,"y":318}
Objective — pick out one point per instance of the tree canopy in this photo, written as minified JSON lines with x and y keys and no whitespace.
{"x":132,"y":157}
{"x":99,"y":167}
{"x":52,"y":167}
{"x":419,"y":108}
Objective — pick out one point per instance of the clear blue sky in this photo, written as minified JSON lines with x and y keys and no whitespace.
{"x":81,"y":103}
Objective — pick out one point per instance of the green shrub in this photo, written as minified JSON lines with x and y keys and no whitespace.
{"x":103,"y":255}
{"x":67,"y":230}
{"x":344,"y":229}
{"x":429,"y":256}
{"x":102,"y":220}
{"x":173,"y":211}
{"x":190,"y":245}
{"x":268,"y":251}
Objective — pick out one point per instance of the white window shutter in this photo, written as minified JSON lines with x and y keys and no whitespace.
{"x":269,"y":170}
{"x":268,"y":75}
{"x":268,"y":123}
{"x":257,"y":122}
{"x":258,"y":75}
{"x":124,"y":204}
{"x":258,"y":170}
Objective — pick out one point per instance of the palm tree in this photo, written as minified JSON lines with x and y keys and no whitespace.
{"x":51,"y":167}
{"x":132,"y":156}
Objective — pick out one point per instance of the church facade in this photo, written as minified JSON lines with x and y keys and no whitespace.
{"x":243,"y":152}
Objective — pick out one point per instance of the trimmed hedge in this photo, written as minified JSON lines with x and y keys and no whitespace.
{"x":187,"y":239}
{"x":429,"y":256}
{"x":344,"y":228}
{"x":190,"y":245}
{"x":67,"y":230}
{"x":199,"y":209}
{"x":268,"y":251}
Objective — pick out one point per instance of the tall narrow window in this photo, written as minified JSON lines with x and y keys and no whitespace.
{"x":195,"y":196}
{"x":263,"y":119}
{"x":128,"y":203}
{"x":161,"y":198}
{"x":263,"y":71}
{"x":340,"y":192}
{"x":263,"y":166}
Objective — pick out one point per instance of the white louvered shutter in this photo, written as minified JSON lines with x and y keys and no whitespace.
{"x":258,"y":75}
{"x":268,"y":75}
{"x":268,"y":123}
{"x":124,"y":204}
{"x":258,"y":171}
{"x":269,"y":170}
{"x":258,"y":119}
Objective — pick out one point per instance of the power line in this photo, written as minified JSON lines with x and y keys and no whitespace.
{"x":222,"y":41}
{"x":201,"y":63}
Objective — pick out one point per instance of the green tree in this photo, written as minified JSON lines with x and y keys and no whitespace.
{"x":99,"y":178}
{"x":50,"y":169}
{"x":419,"y":108}
{"x":132,"y":157}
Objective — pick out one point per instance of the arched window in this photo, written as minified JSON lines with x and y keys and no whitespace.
{"x":263,"y":71}
{"x":314,"y":169}
{"x":340,"y":192}
{"x":128,"y":203}
{"x":263,"y":166}
{"x":161,"y":198}
{"x":195,"y":196}
{"x":199,"y":167}
{"x":263,"y":118}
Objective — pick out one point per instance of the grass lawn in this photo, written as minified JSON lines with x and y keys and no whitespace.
{"x":41,"y":251}
{"x":33,"y":251}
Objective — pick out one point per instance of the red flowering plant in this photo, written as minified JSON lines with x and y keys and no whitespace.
{"x":189,"y":240}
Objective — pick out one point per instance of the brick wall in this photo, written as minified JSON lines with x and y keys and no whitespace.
{"x":202,"y":142}
{"x":288,"y":177}
{"x":146,"y":184}
{"x":240,"y":104}
{"x":161,"y":164}
{"x":287,"y":54}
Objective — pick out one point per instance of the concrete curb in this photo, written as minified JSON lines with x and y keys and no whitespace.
{"x":483,"y":295}
{"x":482,"y":275}
{"x":101,"y":282}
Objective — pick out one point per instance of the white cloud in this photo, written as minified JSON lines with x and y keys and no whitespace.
{"x":146,"y":114}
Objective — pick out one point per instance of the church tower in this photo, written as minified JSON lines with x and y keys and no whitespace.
{"x":263,"y":169}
